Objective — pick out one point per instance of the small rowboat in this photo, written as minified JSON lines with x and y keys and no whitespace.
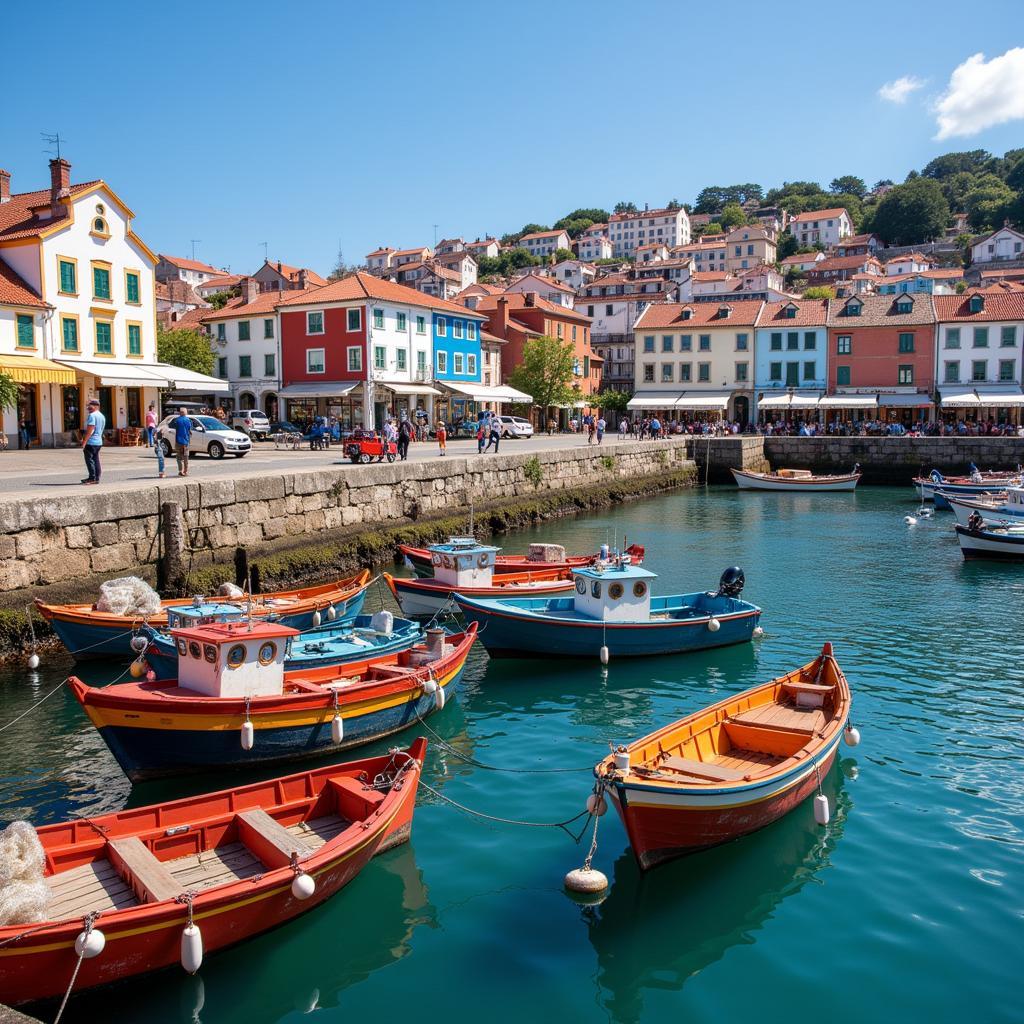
{"x":161,"y":885}
{"x":795,"y":480}
{"x":937,"y":488}
{"x":1004,"y":542}
{"x":89,"y":633}
{"x":423,"y":559}
{"x":999,"y":506}
{"x":731,"y":768}
{"x":233,"y":706}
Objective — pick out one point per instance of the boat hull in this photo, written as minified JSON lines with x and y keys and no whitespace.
{"x":937,"y":491}
{"x":987,"y":545}
{"x":428,"y":597}
{"x":963,"y":507}
{"x":747,"y":481}
{"x":662,"y":826}
{"x":420,"y":560}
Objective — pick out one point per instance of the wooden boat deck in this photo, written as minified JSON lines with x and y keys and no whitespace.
{"x":786,"y":716}
{"x":99,"y":886}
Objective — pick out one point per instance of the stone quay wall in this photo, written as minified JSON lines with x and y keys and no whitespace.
{"x":99,"y":535}
{"x":715,"y":456}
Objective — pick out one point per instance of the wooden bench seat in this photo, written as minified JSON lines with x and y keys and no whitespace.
{"x":701,"y":769}
{"x":776,"y":716}
{"x":149,"y":879}
{"x":268,"y":839}
{"x":807,"y":688}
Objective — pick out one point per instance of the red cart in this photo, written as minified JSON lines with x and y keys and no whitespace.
{"x":364,"y":446}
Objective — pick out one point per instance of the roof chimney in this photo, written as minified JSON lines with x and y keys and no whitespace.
{"x":5,"y":186}
{"x":250,"y":290}
{"x":279,"y":270}
{"x":531,"y":299}
{"x":60,"y":183}
{"x":499,"y":321}
{"x":303,"y":280}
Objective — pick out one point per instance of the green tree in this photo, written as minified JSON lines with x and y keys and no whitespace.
{"x":8,"y":392}
{"x":185,"y":348}
{"x":579,"y":220}
{"x":975,"y":161}
{"x":883,"y":183}
{"x":220,"y":299}
{"x":546,"y":372}
{"x":988,"y":202}
{"x":732,"y":216}
{"x":564,"y":254}
{"x":787,"y":245}
{"x":849,"y":183}
{"x":674,"y":204}
{"x":820,"y":291}
{"x":342,"y":269}
{"x":614,"y":401}
{"x":625,"y":207}
{"x":714,"y":228}
{"x":913,"y":212}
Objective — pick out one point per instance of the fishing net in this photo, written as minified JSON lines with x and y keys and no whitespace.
{"x":128,"y":596}
{"x":23,"y":893}
{"x":230,"y":590}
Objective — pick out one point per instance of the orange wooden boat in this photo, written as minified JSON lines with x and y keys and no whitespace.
{"x":421,"y":560}
{"x":228,"y":865}
{"x":731,"y":768}
{"x":426,"y":596}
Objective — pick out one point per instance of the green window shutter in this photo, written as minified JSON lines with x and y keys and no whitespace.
{"x":776,"y":341}
{"x":842,"y":375}
{"x":268,"y":328}
{"x":132,"y":287}
{"x":103,"y":339}
{"x":69,"y":331}
{"x":243,"y":330}
{"x":134,"y":340}
{"x":268,"y":365}
{"x":67,"y":277}
{"x":100,"y":283}
{"x":26,"y":332}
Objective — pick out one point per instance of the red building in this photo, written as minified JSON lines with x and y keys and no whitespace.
{"x":881,"y":357}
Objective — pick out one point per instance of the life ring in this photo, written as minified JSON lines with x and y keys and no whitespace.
{"x":435,"y":558}
{"x":481,"y":560}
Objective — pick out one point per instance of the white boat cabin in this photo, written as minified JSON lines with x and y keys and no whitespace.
{"x":202,"y":613}
{"x":233,"y":659}
{"x":615,"y":592}
{"x":463,"y":562}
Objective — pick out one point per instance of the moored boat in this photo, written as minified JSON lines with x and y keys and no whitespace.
{"x":796,"y":480}
{"x":540,"y":556}
{"x":164,"y":884}
{"x":999,"y":506}
{"x":612,"y":608}
{"x":935,"y":487}
{"x":90,"y":633}
{"x":233,"y":705}
{"x":731,"y":768}
{"x":979,"y":539}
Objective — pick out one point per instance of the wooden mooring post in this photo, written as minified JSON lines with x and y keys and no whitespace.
{"x":171,"y":567}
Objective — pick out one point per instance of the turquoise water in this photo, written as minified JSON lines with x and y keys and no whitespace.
{"x":909,"y":904}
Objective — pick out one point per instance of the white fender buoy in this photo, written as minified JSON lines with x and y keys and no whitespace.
{"x":439,"y":698}
{"x":430,"y":686}
{"x":138,"y":668}
{"x":33,"y":660}
{"x":150,"y":675}
{"x":191,"y":948}
{"x":821,"y":813}
{"x":139,"y":644}
{"x":337,"y":729}
{"x":317,"y":617}
{"x":248,"y":735}
{"x":603,"y":655}
{"x":758,"y":632}
{"x":910,"y":520}
{"x":89,"y":944}
{"x":303,"y":886}
{"x":332,"y":613}
{"x":587,"y":880}
{"x":851,"y":735}
{"x":622,"y":759}
{"x":596,"y":805}
{"x":714,"y":625}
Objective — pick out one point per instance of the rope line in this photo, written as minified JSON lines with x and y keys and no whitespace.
{"x":88,"y":921}
{"x":28,"y":711}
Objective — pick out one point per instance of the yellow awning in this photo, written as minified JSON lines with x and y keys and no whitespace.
{"x":34,"y":370}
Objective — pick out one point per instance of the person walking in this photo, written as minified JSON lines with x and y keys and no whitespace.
{"x":159,"y":449}
{"x":150,"y":424}
{"x":481,"y":433}
{"x":623,"y":427}
{"x":495,"y":435}
{"x":442,"y":437}
{"x":182,"y":438}
{"x":95,"y":424}
{"x":601,"y":427}
{"x":405,"y":431}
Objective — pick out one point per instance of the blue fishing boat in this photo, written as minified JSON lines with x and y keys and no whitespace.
{"x":936,"y":487}
{"x":612,"y":614}
{"x":366,"y":637}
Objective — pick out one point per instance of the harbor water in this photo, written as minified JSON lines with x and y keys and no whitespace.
{"x":909,"y":904}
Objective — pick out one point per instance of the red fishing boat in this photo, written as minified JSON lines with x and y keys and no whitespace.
{"x":733,"y":767}
{"x":425,"y":561}
{"x":151,"y":887}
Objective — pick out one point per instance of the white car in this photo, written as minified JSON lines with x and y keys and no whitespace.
{"x":209,"y":435}
{"x":515,"y":426}
{"x":251,"y":422}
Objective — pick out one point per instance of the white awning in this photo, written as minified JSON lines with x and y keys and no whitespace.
{"x":410,"y":389}
{"x":1001,"y":395}
{"x":486,"y":394}
{"x":653,"y":400}
{"x":707,"y":400}
{"x":319,"y":389}
{"x":849,"y":402}
{"x":120,"y":374}
{"x":504,"y":393}
{"x":958,"y":398}
{"x":181,"y":379}
{"x":894,"y":401}
{"x":785,"y":400}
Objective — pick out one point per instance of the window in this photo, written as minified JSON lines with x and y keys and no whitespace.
{"x":684,"y":373}
{"x":792,"y":340}
{"x":99,"y":226}
{"x":741,"y":342}
{"x":222,"y":367}
{"x":380,"y":357}
{"x":421,"y":363}
{"x":904,"y":307}
{"x":810,"y":340}
{"x":741,"y":373}
{"x":666,"y":373}
{"x":243,"y":330}
{"x":26,"y":331}
{"x":810,"y":370}
{"x":355,"y":358}
{"x":268,"y":328}
{"x":648,"y":342}
{"x":906,"y":342}
{"x":421,"y":325}
{"x":378,"y":319}
{"x":68,"y":276}
{"x":704,"y":343}
{"x":792,"y":374}
{"x":131,"y":287}
{"x":978,"y":301}
{"x":222,"y":332}
{"x":457,"y":329}
{"x":442,"y":326}
{"x":776,"y":343}
{"x":1008,"y":337}
{"x":704,"y":372}
{"x":558,"y":330}
{"x":245,"y":366}
{"x":471,"y":332}
{"x":844,"y":345}
{"x":648,"y":373}
{"x":843,"y":376}
{"x":354,"y":319}
{"x":685,"y":342}
{"x":853,"y":309}
{"x":775,"y":371}
{"x":104,"y":338}
{"x":667,"y":342}
{"x":69,"y":334}
{"x":952,"y":372}
{"x":442,"y":362}
{"x":269,"y":364}
{"x":590,"y":311}
{"x":314,"y":360}
{"x":952,"y":337}
{"x":905,"y":375}
{"x":471,"y":365}
{"x":790,"y":314}
{"x":609,"y":310}
{"x":1007,"y":369}
{"x":979,"y":369}
{"x":981,"y":337}
{"x":400,"y":321}
{"x":101,"y":282}
{"x":135,"y":339}
{"x":315,"y":321}
{"x":400,"y":359}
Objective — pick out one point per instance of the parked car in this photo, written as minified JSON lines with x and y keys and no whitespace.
{"x":209,"y":436}
{"x":251,"y":422}
{"x":515,"y":426}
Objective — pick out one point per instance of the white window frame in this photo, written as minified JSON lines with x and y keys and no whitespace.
{"x":311,"y":313}
{"x":456,"y":328}
{"x":358,"y":351}
{"x":471,"y":364}
{"x":421,"y":325}
{"x":323,"y":360}
{"x":458,"y":362}
{"x":442,"y":327}
{"x":349,"y":329}
{"x":442,"y":361}
{"x":471,"y":331}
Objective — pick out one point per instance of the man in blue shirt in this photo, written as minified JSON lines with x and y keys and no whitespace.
{"x":182,"y":426}
{"x":95,"y":424}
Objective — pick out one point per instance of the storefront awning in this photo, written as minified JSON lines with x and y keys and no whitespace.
{"x":410,"y":389}
{"x":707,"y":400}
{"x":485,"y":393}
{"x":118,"y":374}
{"x":958,"y":398}
{"x":504,"y":393}
{"x":917,"y":401}
{"x":188,"y":380}
{"x":1000,"y":396}
{"x":320,"y":389}
{"x":653,"y":400}
{"x":849,"y":402}
{"x":787,"y":400}
{"x":34,"y":370}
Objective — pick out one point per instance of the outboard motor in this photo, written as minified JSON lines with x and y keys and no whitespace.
{"x":731,"y":582}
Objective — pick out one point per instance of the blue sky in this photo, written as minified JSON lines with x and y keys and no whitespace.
{"x":318,"y":123}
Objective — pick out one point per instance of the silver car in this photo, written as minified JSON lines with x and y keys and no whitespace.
{"x":209,"y":435}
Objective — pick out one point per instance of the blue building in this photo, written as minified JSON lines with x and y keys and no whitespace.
{"x":790,"y":359}
{"x":457,"y":363}
{"x":927,"y":282}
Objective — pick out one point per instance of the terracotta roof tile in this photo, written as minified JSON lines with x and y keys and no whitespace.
{"x":17,"y":216}
{"x":703,"y":314}
{"x":998,"y":306}
{"x":880,"y":311}
{"x":809,"y":313}
{"x":821,"y":214}
{"x":517,"y":301}
{"x":16,"y":292}
{"x":237,"y":308}
{"x":184,"y":264}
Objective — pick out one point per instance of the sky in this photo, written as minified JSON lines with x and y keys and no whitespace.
{"x":318,"y":125}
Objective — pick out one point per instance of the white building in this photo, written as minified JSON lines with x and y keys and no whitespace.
{"x":1004,"y":244}
{"x":628,"y":231}
{"x":593,"y":247}
{"x":192,"y":272}
{"x":379,"y":260}
{"x":911,"y":263}
{"x":821,"y":227}
{"x":224,"y":283}
{"x":461,"y":262}
{"x":574,"y":273}
{"x":545,"y":243}
{"x":483,"y":247}
{"x":544,"y":286}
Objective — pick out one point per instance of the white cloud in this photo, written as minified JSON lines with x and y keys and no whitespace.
{"x":981,"y":94}
{"x":898,"y":91}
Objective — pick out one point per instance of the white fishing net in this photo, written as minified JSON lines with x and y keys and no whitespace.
{"x":230,"y":590}
{"x":23,"y":893}
{"x":128,"y":596}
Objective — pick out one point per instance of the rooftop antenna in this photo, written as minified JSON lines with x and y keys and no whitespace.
{"x":435,"y":235}
{"x":195,"y":242}
{"x":53,"y":140}
{"x":264,"y":244}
